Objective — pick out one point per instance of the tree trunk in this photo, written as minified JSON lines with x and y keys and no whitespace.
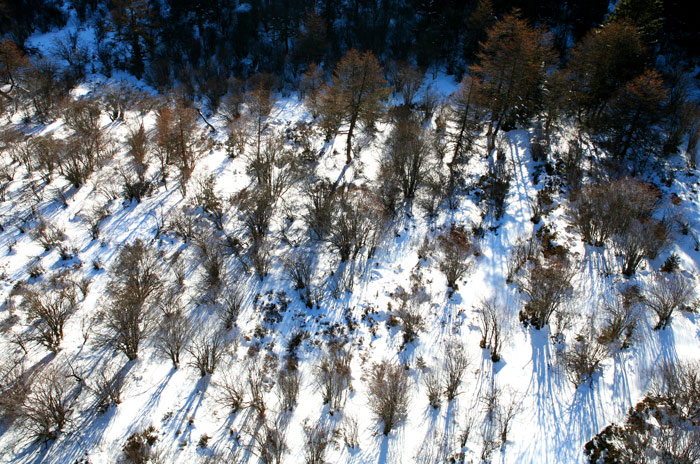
{"x":348,"y":151}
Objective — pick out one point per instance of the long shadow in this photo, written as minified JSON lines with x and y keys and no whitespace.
{"x":189,"y":409}
{"x":546,"y":391}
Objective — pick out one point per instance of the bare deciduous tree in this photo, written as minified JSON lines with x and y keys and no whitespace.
{"x":206,"y":351}
{"x":51,"y":308}
{"x":406,"y":79}
{"x":465,"y":115}
{"x":388,"y":394}
{"x":357,"y":224}
{"x":173,"y":336}
{"x":406,"y":161}
{"x":493,"y":326}
{"x":547,"y":286}
{"x":456,"y":258}
{"x":178,"y":141}
{"x":134,"y":287}
{"x":49,"y":405}
{"x":666,"y":294}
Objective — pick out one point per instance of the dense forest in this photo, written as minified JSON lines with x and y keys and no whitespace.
{"x":390,"y":231}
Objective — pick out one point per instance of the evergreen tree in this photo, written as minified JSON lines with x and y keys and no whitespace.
{"x":132,"y":23}
{"x":646,"y":15}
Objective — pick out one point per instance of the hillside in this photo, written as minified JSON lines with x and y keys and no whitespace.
{"x":453,"y":273}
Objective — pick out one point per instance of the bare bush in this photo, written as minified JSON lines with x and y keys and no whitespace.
{"x":48,"y":235}
{"x":639,"y":240}
{"x":506,"y":413}
{"x":94,"y":217}
{"x":455,"y":363}
{"x":50,"y":308}
{"x":87,"y":147}
{"x":349,"y":429}
{"x":212,"y":262}
{"x":274,"y":168}
{"x":662,"y":427}
{"x":206,"y":351}
{"x":584,"y":356}
{"x":210,"y":200}
{"x":173,"y":335}
{"x":493,"y":327}
{"x":107,"y":389}
{"x":547,"y":286}
{"x":288,"y":383}
{"x":357,"y":224}
{"x":231,"y":305}
{"x":139,"y":145}
{"x":407,"y":80}
{"x":231,"y":392}
{"x":118,"y":99}
{"x":139,"y":447}
{"x":256,"y":207}
{"x":15,"y":384}
{"x":621,"y":320}
{"x":49,"y":405}
{"x":317,"y":438}
{"x":496,"y":184}
{"x":571,"y":165}
{"x":388,"y":394}
{"x":133,"y":290}
{"x":333,"y":376}
{"x":524,"y":250}
{"x":269,"y":442}
{"x":319,"y":209}
{"x":299,"y":270}
{"x":408,"y":312}
{"x":679,"y":387}
{"x":238,"y":137}
{"x":457,"y":250}
{"x":432,"y":381}
{"x":600,"y":211}
{"x":256,"y":383}
{"x":666,"y":294}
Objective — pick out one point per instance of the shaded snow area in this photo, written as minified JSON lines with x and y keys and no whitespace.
{"x":552,"y":418}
